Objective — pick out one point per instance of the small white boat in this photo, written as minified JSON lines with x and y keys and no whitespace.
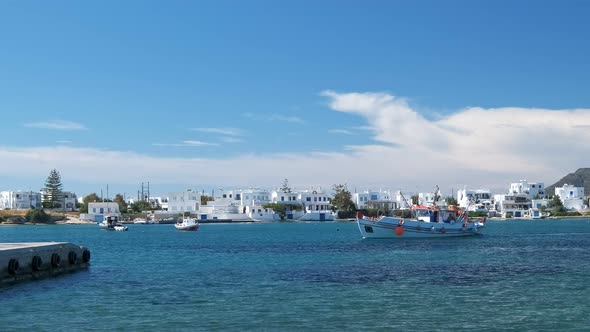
{"x":120,"y":228}
{"x":187,"y":224}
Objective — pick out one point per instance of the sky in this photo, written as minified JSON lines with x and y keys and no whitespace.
{"x":392,"y":95}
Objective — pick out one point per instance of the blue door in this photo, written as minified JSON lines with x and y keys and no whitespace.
{"x":322,"y":216}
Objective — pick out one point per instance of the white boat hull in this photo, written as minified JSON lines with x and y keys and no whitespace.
{"x":395,"y":228}
{"x":187,"y":228}
{"x":187,"y":225}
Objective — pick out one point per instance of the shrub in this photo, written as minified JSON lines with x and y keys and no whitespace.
{"x":38,"y":215}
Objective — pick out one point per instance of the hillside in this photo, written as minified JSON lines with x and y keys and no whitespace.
{"x":580,"y":178}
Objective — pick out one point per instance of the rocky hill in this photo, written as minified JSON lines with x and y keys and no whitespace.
{"x":579,"y":178}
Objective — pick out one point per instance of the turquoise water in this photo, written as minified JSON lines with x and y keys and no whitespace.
{"x":522,"y":275}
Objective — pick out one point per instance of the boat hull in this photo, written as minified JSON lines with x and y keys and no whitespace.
{"x":187,"y":228}
{"x":395,"y":228}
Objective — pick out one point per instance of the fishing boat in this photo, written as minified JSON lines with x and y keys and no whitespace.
{"x":187,"y":224}
{"x":425,"y":222}
{"x":111,"y":223}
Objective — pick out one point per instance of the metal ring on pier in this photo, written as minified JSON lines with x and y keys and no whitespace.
{"x":55,"y":260}
{"x":86,"y":256}
{"x":36,"y":263}
{"x":72,"y":257}
{"x":13,"y":266}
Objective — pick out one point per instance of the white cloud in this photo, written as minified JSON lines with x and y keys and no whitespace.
{"x":473,"y":146}
{"x":197,"y":143}
{"x":291,"y":119}
{"x":222,"y":131}
{"x":56,"y":125}
{"x":230,"y":139}
{"x":63,"y":142}
{"x":186,"y":143}
{"x":340,"y":131}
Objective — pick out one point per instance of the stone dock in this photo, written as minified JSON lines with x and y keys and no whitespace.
{"x":33,"y":260}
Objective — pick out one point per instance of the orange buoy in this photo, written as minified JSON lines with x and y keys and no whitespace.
{"x":399,"y":230}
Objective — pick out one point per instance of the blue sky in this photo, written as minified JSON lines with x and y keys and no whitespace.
{"x":180,"y":93}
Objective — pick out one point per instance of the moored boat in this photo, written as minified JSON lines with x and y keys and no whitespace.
{"x":426,"y":222}
{"x":187,"y":224}
{"x":111,"y":223}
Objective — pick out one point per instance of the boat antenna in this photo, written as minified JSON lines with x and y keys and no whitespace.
{"x":436,"y":196}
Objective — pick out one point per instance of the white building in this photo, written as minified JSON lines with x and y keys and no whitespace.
{"x":98,"y":210}
{"x":372,"y":199}
{"x":66,"y":202}
{"x":403,"y":201}
{"x":475,"y":200}
{"x":531,"y":189}
{"x":19,"y":200}
{"x":285,"y":198}
{"x":427,"y":199}
{"x":69,"y":200}
{"x":162,"y":202}
{"x":515,"y":205}
{"x":572,"y":197}
{"x":315,"y":201}
{"x":184,"y":201}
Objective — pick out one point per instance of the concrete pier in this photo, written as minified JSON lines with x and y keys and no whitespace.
{"x":25,"y":261}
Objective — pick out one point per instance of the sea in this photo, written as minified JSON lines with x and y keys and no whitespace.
{"x":522,"y":275}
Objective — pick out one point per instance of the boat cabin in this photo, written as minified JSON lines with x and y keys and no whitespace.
{"x":428,"y":214}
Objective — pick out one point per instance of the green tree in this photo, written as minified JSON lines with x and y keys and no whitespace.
{"x":88,"y":199}
{"x":282,"y":208}
{"x":52,"y":198}
{"x":451,"y":200}
{"x":121,"y":201}
{"x":342,"y":201}
{"x":205,"y":199}
{"x":285,"y":188}
{"x":140,"y":206}
{"x":556,"y":201}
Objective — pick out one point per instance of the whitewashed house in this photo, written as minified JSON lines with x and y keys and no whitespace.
{"x":374,"y":199}
{"x":19,"y":200}
{"x":187,"y":201}
{"x":98,"y":210}
{"x":69,"y":200}
{"x":572,"y":197}
{"x":66,"y":202}
{"x":531,"y":189}
{"x":515,"y":205}
{"x":475,"y":200}
{"x":316,"y":205}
